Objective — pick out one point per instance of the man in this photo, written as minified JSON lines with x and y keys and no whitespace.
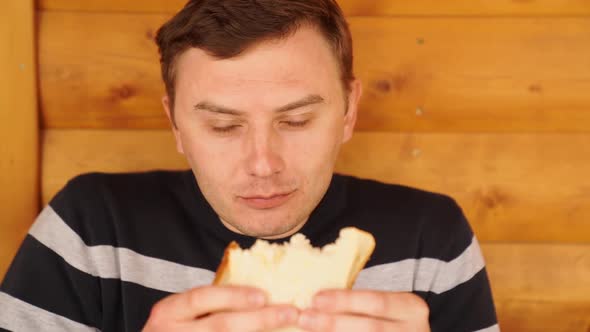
{"x":260,"y":95}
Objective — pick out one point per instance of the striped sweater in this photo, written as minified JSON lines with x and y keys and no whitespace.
{"x":108,"y":246}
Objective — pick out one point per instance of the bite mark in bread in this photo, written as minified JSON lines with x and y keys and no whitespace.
{"x":293,"y":272}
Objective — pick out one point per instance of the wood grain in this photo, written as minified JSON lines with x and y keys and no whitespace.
{"x":419,"y":74}
{"x":359,"y":7}
{"x":474,"y":75}
{"x":539,"y":272}
{"x":513,"y":187}
{"x":68,"y":153}
{"x":539,"y":287}
{"x":19,"y":162}
{"x":90,"y":78}
{"x":531,"y":316}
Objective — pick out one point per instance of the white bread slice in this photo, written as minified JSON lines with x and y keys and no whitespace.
{"x":293,"y":272}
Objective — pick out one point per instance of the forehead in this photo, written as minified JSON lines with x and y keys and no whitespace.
{"x":302,"y":63}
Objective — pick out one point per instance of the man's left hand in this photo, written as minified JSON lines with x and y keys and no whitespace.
{"x":366,"y":311}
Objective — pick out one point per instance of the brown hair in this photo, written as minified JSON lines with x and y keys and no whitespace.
{"x":226,"y":28}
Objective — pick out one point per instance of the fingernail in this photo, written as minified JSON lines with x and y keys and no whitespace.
{"x":307,"y":320}
{"x":257,"y":299}
{"x":288,"y":315}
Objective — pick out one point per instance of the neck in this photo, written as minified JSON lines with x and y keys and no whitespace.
{"x":265,"y":236}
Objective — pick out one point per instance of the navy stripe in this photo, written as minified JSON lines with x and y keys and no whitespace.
{"x":406,"y":222}
{"x":463,"y":308}
{"x":112,"y":262}
{"x":49,"y":283}
{"x":143,"y":212}
{"x":127,"y":305}
{"x":25,"y":317}
{"x":40,"y":277}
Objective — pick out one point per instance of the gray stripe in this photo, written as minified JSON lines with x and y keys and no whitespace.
{"x":116,"y":263}
{"x":493,"y":328}
{"x":424,"y":274}
{"x":17,"y":315}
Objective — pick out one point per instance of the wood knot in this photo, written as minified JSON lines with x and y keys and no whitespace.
{"x":536,"y":88}
{"x":383,"y":86}
{"x":492,"y":198}
{"x":122,"y":92}
{"x":396,"y":83}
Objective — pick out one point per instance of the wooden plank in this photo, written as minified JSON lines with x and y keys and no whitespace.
{"x":531,"y":316}
{"x":18,"y":123}
{"x":108,"y":77}
{"x":359,"y":7}
{"x":474,"y":75}
{"x":152,"y":6}
{"x":539,"y":287}
{"x":419,"y":74}
{"x":466,"y":7}
{"x":513,"y":187}
{"x":68,"y":153}
{"x":539,"y":273}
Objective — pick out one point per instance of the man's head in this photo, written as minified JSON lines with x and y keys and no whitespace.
{"x":261,"y":95}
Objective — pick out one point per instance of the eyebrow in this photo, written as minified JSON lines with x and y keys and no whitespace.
{"x":211,"y":107}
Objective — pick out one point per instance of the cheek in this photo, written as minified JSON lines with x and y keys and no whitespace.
{"x":314,"y":150}
{"x":210,"y":160}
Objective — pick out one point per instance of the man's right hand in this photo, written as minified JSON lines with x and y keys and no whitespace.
{"x":219,"y":308}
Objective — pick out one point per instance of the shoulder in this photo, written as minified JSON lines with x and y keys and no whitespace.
{"x":92,"y":189}
{"x":429,"y":222}
{"x":377,"y":189}
{"x":399,"y":199}
{"x":97,"y":205}
{"x":103,"y":183}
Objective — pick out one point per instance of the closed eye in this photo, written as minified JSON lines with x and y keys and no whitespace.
{"x":225,"y":129}
{"x":296,"y":124}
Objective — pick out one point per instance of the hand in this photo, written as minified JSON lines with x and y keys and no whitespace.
{"x":219,"y":308}
{"x":367,"y":311}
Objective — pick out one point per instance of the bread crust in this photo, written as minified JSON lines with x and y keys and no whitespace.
{"x":222,"y":273}
{"x":360,"y":264}
{"x":223,"y":269}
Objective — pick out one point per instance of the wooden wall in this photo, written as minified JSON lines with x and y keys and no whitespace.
{"x":19,"y":154}
{"x":486,"y":101}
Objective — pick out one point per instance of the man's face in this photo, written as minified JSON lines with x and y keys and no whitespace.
{"x":262,"y":131}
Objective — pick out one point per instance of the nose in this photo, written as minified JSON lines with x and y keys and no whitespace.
{"x":263,"y":155}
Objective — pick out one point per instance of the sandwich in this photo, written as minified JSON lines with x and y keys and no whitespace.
{"x":291,"y":273}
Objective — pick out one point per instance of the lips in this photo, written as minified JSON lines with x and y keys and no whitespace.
{"x":263,"y":202}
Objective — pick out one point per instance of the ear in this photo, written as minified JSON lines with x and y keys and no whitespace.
{"x":354,"y":97}
{"x":166,"y":104}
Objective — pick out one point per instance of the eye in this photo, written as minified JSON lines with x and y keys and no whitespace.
{"x":296,"y":124}
{"x":226,"y":129}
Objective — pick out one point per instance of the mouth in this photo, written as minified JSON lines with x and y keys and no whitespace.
{"x":265,"y":202}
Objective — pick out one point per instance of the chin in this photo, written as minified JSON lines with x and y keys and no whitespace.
{"x":267,"y":226}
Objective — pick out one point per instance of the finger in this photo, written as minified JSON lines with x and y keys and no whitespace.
{"x":206,"y":300}
{"x":386,"y":305}
{"x":264,"y":319}
{"x":312,"y":321}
